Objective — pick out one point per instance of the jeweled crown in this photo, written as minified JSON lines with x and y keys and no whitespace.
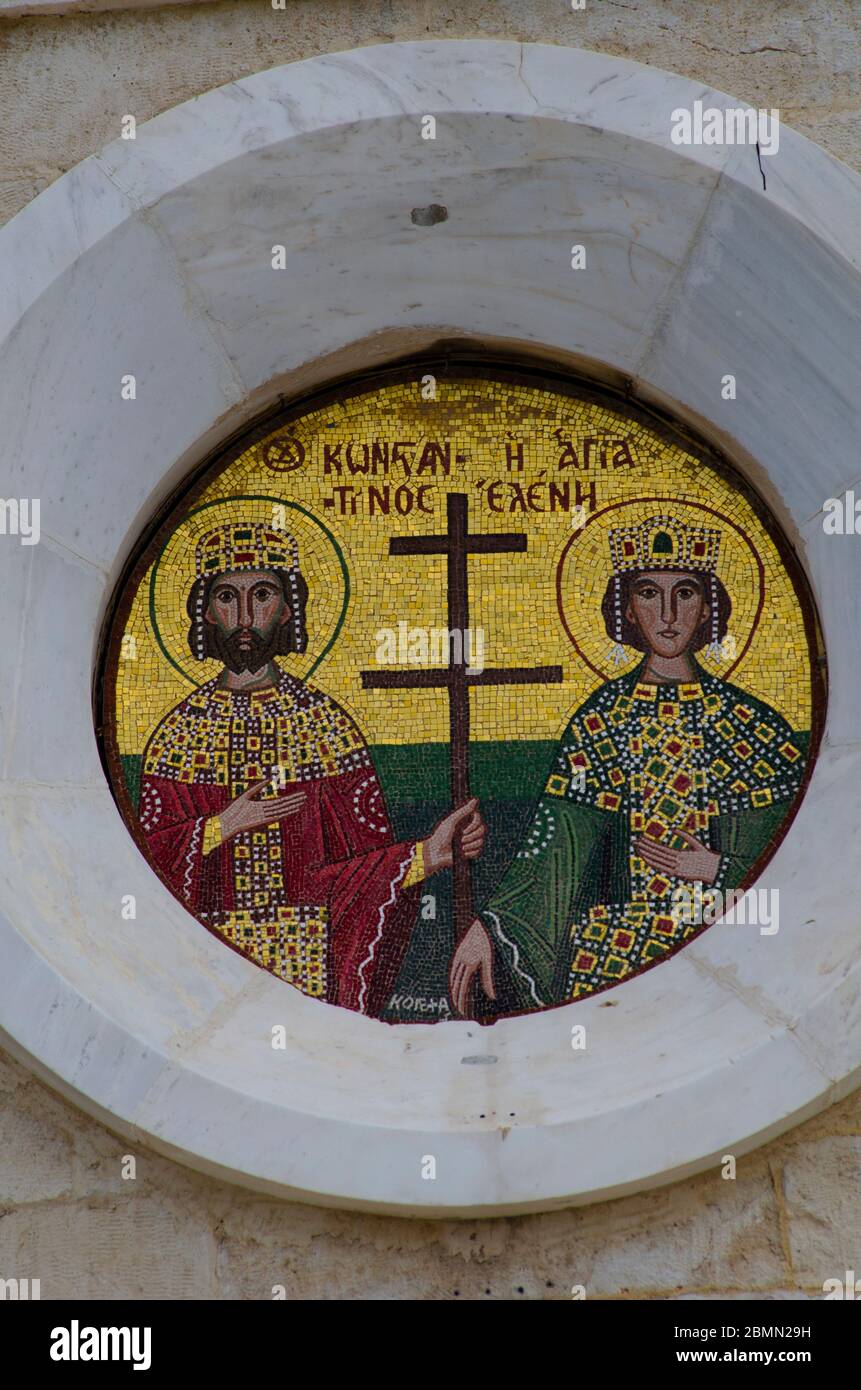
{"x":664,"y":543}
{"x":245,"y":546}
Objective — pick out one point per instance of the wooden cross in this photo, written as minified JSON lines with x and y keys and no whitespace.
{"x":457,"y":544}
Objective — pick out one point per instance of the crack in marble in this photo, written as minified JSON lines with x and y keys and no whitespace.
{"x":663,"y":311}
{"x":197,"y":312}
{"x":522,"y":79}
{"x":759,"y":162}
{"x":187,"y":1041}
{"x":768,"y":1010}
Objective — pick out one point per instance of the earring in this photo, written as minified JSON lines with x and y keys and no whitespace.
{"x":298,"y":644}
{"x":199,"y":643}
{"x":715,"y":649}
{"x":617,"y":652}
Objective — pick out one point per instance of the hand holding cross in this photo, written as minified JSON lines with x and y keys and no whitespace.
{"x":457,"y":544}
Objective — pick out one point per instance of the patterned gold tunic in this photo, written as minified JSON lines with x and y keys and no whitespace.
{"x":579,"y":909}
{"x":322,"y":898}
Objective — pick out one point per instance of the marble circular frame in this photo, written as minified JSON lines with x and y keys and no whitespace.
{"x":153,"y":259}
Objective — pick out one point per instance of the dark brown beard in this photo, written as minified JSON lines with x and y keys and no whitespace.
{"x":259,"y":654}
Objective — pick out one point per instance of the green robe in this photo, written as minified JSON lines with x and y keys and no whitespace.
{"x":577,"y":909}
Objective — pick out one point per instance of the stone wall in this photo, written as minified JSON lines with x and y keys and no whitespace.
{"x":66,"y":81}
{"x":789,"y":1220}
{"x":67,"y":1216}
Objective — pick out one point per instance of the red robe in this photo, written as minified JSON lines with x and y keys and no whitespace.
{"x":318,"y":897}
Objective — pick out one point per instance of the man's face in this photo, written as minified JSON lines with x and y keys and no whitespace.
{"x":247,"y":609}
{"x":667,"y":608}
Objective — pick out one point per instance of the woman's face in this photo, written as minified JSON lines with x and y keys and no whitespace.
{"x":667,"y":608}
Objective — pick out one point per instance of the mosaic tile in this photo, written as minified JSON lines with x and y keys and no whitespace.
{"x":287,"y":720}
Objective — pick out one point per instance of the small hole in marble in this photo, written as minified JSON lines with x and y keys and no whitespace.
{"x":429,"y":216}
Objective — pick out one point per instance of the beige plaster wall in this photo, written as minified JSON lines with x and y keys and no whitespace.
{"x":67,"y":80}
{"x":792,"y":1217}
{"x":789,"y":1220}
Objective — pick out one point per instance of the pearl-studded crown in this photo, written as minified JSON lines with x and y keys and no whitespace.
{"x":664,"y":543}
{"x":244,"y":546}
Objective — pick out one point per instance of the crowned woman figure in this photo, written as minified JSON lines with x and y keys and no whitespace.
{"x":665,"y":778}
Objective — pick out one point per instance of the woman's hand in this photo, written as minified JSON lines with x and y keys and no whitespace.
{"x":699,"y":864}
{"x":474,"y":955}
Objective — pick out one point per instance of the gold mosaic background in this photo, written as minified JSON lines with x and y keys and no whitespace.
{"x":512,"y":597}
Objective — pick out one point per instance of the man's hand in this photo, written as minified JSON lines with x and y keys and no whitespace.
{"x":247,"y":813}
{"x":437,"y":849}
{"x":473,"y":955}
{"x":699,"y":863}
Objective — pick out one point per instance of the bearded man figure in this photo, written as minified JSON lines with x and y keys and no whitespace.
{"x":260,"y":804}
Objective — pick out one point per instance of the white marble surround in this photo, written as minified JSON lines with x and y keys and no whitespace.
{"x":154,"y":258}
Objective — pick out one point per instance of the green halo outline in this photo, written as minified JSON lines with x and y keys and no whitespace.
{"x":273,"y":501}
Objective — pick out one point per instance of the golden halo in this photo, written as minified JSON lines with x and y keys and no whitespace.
{"x":321,"y":562}
{"x":585,"y":568}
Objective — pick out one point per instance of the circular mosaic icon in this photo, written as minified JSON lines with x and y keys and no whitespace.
{"x":462,"y":692}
